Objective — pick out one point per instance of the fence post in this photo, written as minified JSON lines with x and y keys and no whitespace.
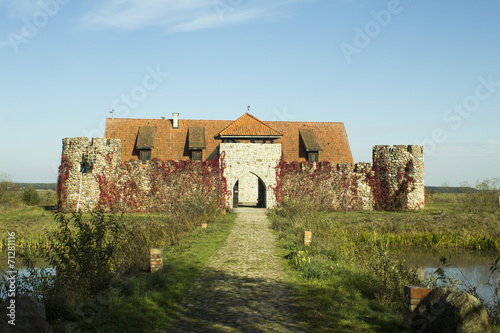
{"x":156,"y":259}
{"x":307,"y":238}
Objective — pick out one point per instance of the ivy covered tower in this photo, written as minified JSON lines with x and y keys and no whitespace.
{"x":85,"y":167}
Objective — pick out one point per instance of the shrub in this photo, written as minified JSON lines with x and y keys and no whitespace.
{"x":83,"y":253}
{"x":48,"y":198}
{"x":8,"y":192}
{"x":30,"y":196}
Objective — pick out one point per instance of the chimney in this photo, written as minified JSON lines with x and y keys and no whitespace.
{"x":175,"y":120}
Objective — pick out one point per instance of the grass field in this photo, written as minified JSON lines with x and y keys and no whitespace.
{"x":347,"y":280}
{"x":30,"y":225}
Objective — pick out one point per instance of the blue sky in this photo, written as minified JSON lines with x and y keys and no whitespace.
{"x":395,"y":72}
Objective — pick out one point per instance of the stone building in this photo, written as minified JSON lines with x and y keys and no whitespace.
{"x":252,"y":150}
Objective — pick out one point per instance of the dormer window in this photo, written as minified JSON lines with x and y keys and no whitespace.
{"x":311,"y":144}
{"x":313,"y":156}
{"x":145,"y":142}
{"x":197,"y":155}
{"x":196,"y":142}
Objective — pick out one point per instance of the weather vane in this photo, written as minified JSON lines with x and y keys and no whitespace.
{"x":248,"y":108}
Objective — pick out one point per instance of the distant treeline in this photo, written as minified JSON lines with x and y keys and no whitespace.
{"x":38,"y":186}
{"x":450,"y":189}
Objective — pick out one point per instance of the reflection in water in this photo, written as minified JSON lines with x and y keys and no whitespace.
{"x":40,"y":262}
{"x":473,"y":266}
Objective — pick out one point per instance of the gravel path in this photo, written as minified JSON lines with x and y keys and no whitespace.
{"x":242,"y":287}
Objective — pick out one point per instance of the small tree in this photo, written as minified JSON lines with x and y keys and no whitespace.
{"x":30,"y":196}
{"x":7,"y":189}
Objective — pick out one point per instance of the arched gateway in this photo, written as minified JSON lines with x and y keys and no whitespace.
{"x":251,"y":157}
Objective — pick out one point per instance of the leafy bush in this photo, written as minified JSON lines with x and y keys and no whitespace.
{"x":83,"y":253}
{"x":94,"y":254}
{"x":30,"y":196}
{"x":8,"y":193}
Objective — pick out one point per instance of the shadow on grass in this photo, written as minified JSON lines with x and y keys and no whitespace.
{"x":50,"y":208}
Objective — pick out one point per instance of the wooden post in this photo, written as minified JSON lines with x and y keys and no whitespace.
{"x":156,"y":259}
{"x":307,"y":238}
{"x":412,"y":297}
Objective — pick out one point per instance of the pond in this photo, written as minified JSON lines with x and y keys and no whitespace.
{"x":467,"y":265}
{"x":40,"y":263}
{"x":21,"y":269}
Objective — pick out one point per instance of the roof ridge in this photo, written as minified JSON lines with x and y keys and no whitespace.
{"x":271,"y":131}
{"x":260,"y":121}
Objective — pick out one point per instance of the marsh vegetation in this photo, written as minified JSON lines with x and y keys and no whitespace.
{"x":348,"y":277}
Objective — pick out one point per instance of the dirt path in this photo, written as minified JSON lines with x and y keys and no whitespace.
{"x":241,"y":288}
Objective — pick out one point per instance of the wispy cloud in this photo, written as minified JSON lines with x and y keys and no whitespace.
{"x":185,"y":15}
{"x":20,"y":8}
{"x":494,"y":142}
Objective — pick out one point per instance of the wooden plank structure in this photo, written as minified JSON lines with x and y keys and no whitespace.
{"x":412,"y":297}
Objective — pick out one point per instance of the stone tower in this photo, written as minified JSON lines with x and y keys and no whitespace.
{"x":84,"y":166}
{"x":397,"y":158}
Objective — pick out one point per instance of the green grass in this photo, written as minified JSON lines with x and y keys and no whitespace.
{"x":30,"y":224}
{"x":347,"y":281}
{"x":339,"y":284}
{"x":149,"y":302}
{"x":339,"y":301}
{"x":427,"y":227}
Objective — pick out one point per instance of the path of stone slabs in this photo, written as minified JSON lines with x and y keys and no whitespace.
{"x":242,"y":286}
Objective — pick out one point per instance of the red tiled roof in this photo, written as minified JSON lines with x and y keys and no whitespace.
{"x":332,"y":138}
{"x":173,"y":144}
{"x":248,"y":126}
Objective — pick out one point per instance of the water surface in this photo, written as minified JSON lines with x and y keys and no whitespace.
{"x":465,"y":265}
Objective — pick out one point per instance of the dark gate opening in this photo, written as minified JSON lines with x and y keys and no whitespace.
{"x":235,"y":195}
{"x":261,"y":200}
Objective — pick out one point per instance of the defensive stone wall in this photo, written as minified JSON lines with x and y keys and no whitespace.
{"x":328,"y":186}
{"x":91,"y":176}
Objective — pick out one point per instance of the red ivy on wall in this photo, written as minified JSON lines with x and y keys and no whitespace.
{"x":319,"y":184}
{"x":390,"y":193}
{"x":161,"y":185}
